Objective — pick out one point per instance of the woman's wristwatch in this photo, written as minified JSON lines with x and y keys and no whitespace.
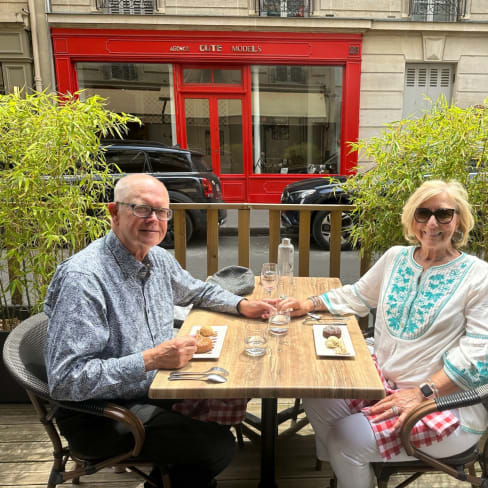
{"x":428,"y":389}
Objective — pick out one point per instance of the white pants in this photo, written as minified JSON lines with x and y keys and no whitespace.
{"x":347,"y":442}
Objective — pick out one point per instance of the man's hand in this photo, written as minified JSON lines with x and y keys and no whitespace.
{"x":256,"y":308}
{"x":171,"y":354}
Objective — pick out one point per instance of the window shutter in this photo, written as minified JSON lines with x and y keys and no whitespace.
{"x":431,"y":80}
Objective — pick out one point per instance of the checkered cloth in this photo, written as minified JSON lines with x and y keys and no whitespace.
{"x":433,"y":427}
{"x":229,"y":411}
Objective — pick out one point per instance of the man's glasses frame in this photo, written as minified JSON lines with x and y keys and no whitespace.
{"x":145,"y":211}
{"x":442,"y":215}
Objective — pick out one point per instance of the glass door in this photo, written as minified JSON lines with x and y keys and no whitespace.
{"x":213,"y":125}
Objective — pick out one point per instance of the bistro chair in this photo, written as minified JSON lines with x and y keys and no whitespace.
{"x":23,"y":355}
{"x":460,"y":467}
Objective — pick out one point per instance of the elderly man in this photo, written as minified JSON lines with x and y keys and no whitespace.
{"x":110,"y":310}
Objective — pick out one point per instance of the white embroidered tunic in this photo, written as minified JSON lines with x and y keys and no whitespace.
{"x":425,"y":321}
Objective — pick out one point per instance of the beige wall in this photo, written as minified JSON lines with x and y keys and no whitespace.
{"x":383,"y":68}
{"x":360,"y":8}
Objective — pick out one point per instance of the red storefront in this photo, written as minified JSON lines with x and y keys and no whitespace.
{"x":265,"y":108}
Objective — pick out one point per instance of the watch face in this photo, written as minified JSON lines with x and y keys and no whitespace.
{"x":426,"y":390}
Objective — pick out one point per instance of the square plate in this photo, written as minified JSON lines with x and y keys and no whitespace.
{"x":322,"y":350}
{"x":217,"y":340}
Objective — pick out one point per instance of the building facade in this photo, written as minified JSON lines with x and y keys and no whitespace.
{"x":270,"y":91}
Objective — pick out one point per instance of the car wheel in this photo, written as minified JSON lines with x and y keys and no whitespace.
{"x":321,"y":230}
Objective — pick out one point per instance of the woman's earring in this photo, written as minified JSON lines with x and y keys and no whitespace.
{"x":457,"y":236}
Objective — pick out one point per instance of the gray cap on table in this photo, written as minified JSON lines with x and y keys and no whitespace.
{"x":236,"y":279}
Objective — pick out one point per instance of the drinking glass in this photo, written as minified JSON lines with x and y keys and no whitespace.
{"x":279,"y":322}
{"x":255,"y":339}
{"x":269,"y":277}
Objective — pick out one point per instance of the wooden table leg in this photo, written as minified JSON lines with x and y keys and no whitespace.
{"x":269,"y":407}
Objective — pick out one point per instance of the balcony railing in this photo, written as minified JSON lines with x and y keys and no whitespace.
{"x":437,"y":10}
{"x":284,"y":8}
{"x":127,"y":7}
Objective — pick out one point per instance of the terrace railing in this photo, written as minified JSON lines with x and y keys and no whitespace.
{"x":244,"y":233}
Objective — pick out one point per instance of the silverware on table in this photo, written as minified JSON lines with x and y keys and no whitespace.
{"x":214,"y":369}
{"x":213,"y":377}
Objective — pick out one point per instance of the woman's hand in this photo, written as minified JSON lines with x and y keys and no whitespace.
{"x":296,"y":307}
{"x":399,"y":403}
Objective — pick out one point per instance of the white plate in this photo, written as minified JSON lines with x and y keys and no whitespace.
{"x":218,"y":341}
{"x":322,"y":350}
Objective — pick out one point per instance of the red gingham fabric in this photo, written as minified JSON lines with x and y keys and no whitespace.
{"x":228,"y":411}
{"x":433,"y":427}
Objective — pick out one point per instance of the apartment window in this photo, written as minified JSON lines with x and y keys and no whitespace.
{"x":437,"y":10}
{"x":284,"y":8}
{"x":127,"y":7}
{"x":426,"y":80}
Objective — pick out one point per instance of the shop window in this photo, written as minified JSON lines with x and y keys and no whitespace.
{"x":425,"y":80}
{"x":284,"y":8}
{"x":142,"y":89}
{"x":437,"y":10}
{"x":212,"y":76}
{"x":120,"y":71}
{"x":296,"y":119}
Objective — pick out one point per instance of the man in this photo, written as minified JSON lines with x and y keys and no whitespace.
{"x":110,"y":310}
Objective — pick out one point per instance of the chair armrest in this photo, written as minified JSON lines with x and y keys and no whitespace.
{"x":455,"y":400}
{"x":112,"y":411}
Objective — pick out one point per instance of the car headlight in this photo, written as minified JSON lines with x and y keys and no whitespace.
{"x":302,"y":195}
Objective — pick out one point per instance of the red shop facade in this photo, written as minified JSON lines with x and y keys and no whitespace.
{"x":265,"y":109}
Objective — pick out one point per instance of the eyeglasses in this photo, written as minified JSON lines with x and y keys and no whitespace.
{"x":145,"y":211}
{"x":442,"y":215}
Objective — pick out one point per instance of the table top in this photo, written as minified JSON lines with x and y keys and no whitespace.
{"x":290,"y":369}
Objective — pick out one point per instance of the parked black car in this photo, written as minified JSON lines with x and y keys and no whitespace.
{"x":316,"y":191}
{"x":185,"y":174}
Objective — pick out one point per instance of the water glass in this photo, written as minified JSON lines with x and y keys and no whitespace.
{"x":269,"y":277}
{"x":255,"y":340}
{"x":279,"y":322}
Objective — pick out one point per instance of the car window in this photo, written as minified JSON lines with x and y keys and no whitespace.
{"x":129,"y":161}
{"x":200,"y":162}
{"x":163,"y":162}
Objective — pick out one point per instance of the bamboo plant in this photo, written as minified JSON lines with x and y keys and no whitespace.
{"x":53,"y":184}
{"x":448,"y":142}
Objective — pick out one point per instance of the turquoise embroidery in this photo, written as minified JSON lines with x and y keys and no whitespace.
{"x":472,"y":377}
{"x":412,"y":300}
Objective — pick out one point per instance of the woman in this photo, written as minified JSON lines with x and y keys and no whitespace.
{"x":431,"y":339}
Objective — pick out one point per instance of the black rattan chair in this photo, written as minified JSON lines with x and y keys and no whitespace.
{"x":461,"y":466}
{"x":23,"y":355}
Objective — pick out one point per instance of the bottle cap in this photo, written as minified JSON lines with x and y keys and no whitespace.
{"x":285,"y":241}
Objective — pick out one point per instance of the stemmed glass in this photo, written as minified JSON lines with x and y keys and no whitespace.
{"x":269,"y":277}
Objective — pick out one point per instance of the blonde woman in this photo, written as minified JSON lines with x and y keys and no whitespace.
{"x":431,"y":339}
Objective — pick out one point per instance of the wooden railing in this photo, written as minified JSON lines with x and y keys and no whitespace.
{"x":244,"y":233}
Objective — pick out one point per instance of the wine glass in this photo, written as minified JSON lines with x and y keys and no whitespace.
{"x":269,"y":277}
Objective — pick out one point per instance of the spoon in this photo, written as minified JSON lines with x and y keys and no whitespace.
{"x":215,"y":369}
{"x":314,"y":316}
{"x":214,"y":378}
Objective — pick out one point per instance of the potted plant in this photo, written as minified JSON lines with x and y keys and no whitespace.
{"x":53,"y":181}
{"x":447,"y":143}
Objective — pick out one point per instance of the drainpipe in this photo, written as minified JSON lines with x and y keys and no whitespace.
{"x":35,"y":46}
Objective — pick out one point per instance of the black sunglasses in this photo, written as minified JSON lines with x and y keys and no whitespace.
{"x":442,"y":215}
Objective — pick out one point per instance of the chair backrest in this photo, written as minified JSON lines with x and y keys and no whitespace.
{"x":23,"y":354}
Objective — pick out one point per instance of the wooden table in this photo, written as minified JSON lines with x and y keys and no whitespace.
{"x":291,"y":369}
